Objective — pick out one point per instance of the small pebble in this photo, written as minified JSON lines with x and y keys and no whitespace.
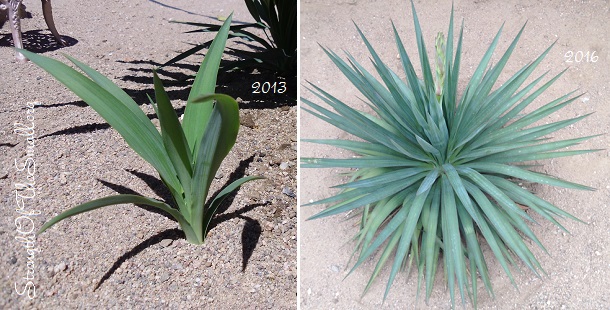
{"x":177,"y":266}
{"x":335,"y":268}
{"x":163,"y":277}
{"x":284,"y":165}
{"x":60,"y":267}
{"x":248,"y":121}
{"x":63,"y":180}
{"x":287,"y":191}
{"x":166,"y":242}
{"x":268,"y":226}
{"x":284,"y":146}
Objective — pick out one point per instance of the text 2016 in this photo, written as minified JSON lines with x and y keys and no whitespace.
{"x":581,"y":56}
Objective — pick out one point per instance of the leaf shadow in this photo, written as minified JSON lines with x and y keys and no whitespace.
{"x":190,"y":12}
{"x":78,"y":129}
{"x":95,"y":126}
{"x":173,"y":234}
{"x":249,"y":239}
{"x":125,"y":190}
{"x":175,"y":8}
{"x":237,"y":84}
{"x":250,"y":233}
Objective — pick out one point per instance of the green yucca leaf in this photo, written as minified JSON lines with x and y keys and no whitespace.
{"x":217,"y":141}
{"x":120,"y":113}
{"x":196,"y":116}
{"x":218,"y":199}
{"x":175,"y":144}
{"x":437,"y":171}
{"x":122,"y":199}
{"x":187,"y":173}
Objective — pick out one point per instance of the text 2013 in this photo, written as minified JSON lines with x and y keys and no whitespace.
{"x":268,"y":87}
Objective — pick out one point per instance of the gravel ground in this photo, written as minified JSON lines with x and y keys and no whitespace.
{"x":123,"y":256}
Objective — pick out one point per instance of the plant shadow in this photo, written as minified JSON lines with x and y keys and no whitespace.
{"x":178,"y":78}
{"x":250,"y":233}
{"x":173,"y":234}
{"x":174,"y":7}
{"x":235,"y":83}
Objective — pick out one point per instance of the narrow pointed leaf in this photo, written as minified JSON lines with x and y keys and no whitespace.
{"x":196,"y":116}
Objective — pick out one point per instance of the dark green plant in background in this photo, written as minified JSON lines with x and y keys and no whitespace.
{"x":278,"y":49}
{"x":186,"y":155}
{"x":436,"y":171}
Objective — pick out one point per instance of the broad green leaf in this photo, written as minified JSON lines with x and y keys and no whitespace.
{"x":196,"y":116}
{"x":131,"y":123}
{"x":229,"y":127}
{"x":175,"y":144}
{"x":122,"y":199}
{"x":217,"y":141}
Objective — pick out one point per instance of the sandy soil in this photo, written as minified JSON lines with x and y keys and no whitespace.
{"x":578,"y":264}
{"x":124,"y":257}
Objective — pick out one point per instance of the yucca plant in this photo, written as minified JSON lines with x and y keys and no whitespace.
{"x":186,"y":155}
{"x":438,"y":172}
{"x":278,"y":49}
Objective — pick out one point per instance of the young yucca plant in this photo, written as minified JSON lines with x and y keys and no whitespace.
{"x":437,"y":172}
{"x":186,"y":155}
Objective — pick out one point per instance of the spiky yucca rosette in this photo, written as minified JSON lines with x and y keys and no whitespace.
{"x":435,"y":171}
